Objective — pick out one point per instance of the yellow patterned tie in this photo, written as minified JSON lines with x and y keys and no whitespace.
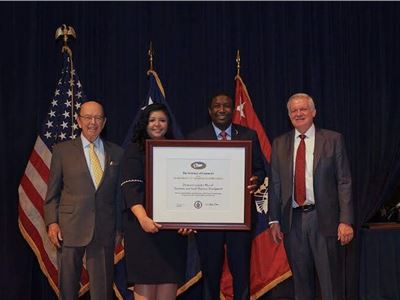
{"x":96,"y":166}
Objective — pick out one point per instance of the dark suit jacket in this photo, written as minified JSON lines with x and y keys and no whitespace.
{"x":238,"y":133}
{"x":332,"y":181}
{"x":72,"y":200}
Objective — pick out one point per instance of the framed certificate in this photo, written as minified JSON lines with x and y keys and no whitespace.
{"x":199,"y":184}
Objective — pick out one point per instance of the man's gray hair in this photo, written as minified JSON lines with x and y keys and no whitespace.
{"x":301,"y":95}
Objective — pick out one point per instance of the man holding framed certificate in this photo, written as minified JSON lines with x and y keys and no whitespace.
{"x":238,"y":243}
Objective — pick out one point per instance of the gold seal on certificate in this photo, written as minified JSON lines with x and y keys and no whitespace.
{"x":198,"y":184}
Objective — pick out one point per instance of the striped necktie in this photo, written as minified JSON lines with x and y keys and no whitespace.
{"x":96,"y":166}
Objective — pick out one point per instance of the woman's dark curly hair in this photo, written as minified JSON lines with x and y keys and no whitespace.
{"x":140,"y":131}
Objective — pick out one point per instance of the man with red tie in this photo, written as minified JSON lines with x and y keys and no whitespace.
{"x":238,"y":243}
{"x":310,"y":201}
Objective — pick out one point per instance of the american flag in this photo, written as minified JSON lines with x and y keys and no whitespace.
{"x":59,"y":125}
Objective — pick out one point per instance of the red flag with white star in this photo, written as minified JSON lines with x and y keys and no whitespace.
{"x":245,"y":115}
{"x":268,"y":264}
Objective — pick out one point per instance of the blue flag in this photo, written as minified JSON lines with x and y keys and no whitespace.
{"x":156,"y":94}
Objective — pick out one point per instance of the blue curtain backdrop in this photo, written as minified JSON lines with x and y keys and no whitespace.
{"x":345,"y":54}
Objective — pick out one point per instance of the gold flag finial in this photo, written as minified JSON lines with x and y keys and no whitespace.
{"x":69,"y":32}
{"x":150,"y":54}
{"x":238,"y":62}
{"x":66,"y":32}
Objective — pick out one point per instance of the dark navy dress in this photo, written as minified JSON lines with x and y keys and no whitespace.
{"x":150,"y":258}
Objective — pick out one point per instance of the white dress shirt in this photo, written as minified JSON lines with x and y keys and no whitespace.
{"x":98,"y":148}
{"x":228,"y":132}
{"x":310,"y":142}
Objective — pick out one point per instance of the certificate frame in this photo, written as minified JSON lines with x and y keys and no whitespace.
{"x":216,"y":173}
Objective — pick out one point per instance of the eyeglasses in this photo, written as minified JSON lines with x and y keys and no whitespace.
{"x":88,"y":118}
{"x":299,"y":110}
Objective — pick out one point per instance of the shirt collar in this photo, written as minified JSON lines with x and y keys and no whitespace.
{"x":227,"y":130}
{"x":86,"y":143}
{"x":310,"y":133}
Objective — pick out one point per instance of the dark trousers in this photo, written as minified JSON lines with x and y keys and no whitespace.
{"x":308,"y":250}
{"x":211,"y":251}
{"x":99,"y":263}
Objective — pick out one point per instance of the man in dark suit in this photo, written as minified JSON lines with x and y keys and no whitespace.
{"x":81,"y":208}
{"x":310,"y":201}
{"x":238,"y":243}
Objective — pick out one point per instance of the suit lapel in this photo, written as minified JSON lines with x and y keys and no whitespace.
{"x":211,"y":132}
{"x":318,"y":145}
{"x":235,"y":134}
{"x":290,"y":151}
{"x":107,"y":158}
{"x":82,"y":163}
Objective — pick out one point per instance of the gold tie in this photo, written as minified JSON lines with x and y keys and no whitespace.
{"x":96,"y":166}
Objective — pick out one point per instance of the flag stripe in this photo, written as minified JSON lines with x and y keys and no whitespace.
{"x":84,"y":281}
{"x":33,"y":175}
{"x":43,"y":151}
{"x":39,"y":166}
{"x":36,"y":220}
{"x":119,"y":253}
{"x":42,"y":265}
{"x":36,"y":238}
{"x":34,"y":197}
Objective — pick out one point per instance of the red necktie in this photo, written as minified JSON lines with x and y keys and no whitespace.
{"x":223,"y":135}
{"x":300,"y":173}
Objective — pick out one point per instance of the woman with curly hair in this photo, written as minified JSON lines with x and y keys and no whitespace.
{"x":155,"y":258}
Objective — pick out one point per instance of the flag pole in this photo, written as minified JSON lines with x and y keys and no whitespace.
{"x":150,"y":54}
{"x":66,"y":31}
{"x":151,"y":70}
{"x":238,"y":63}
